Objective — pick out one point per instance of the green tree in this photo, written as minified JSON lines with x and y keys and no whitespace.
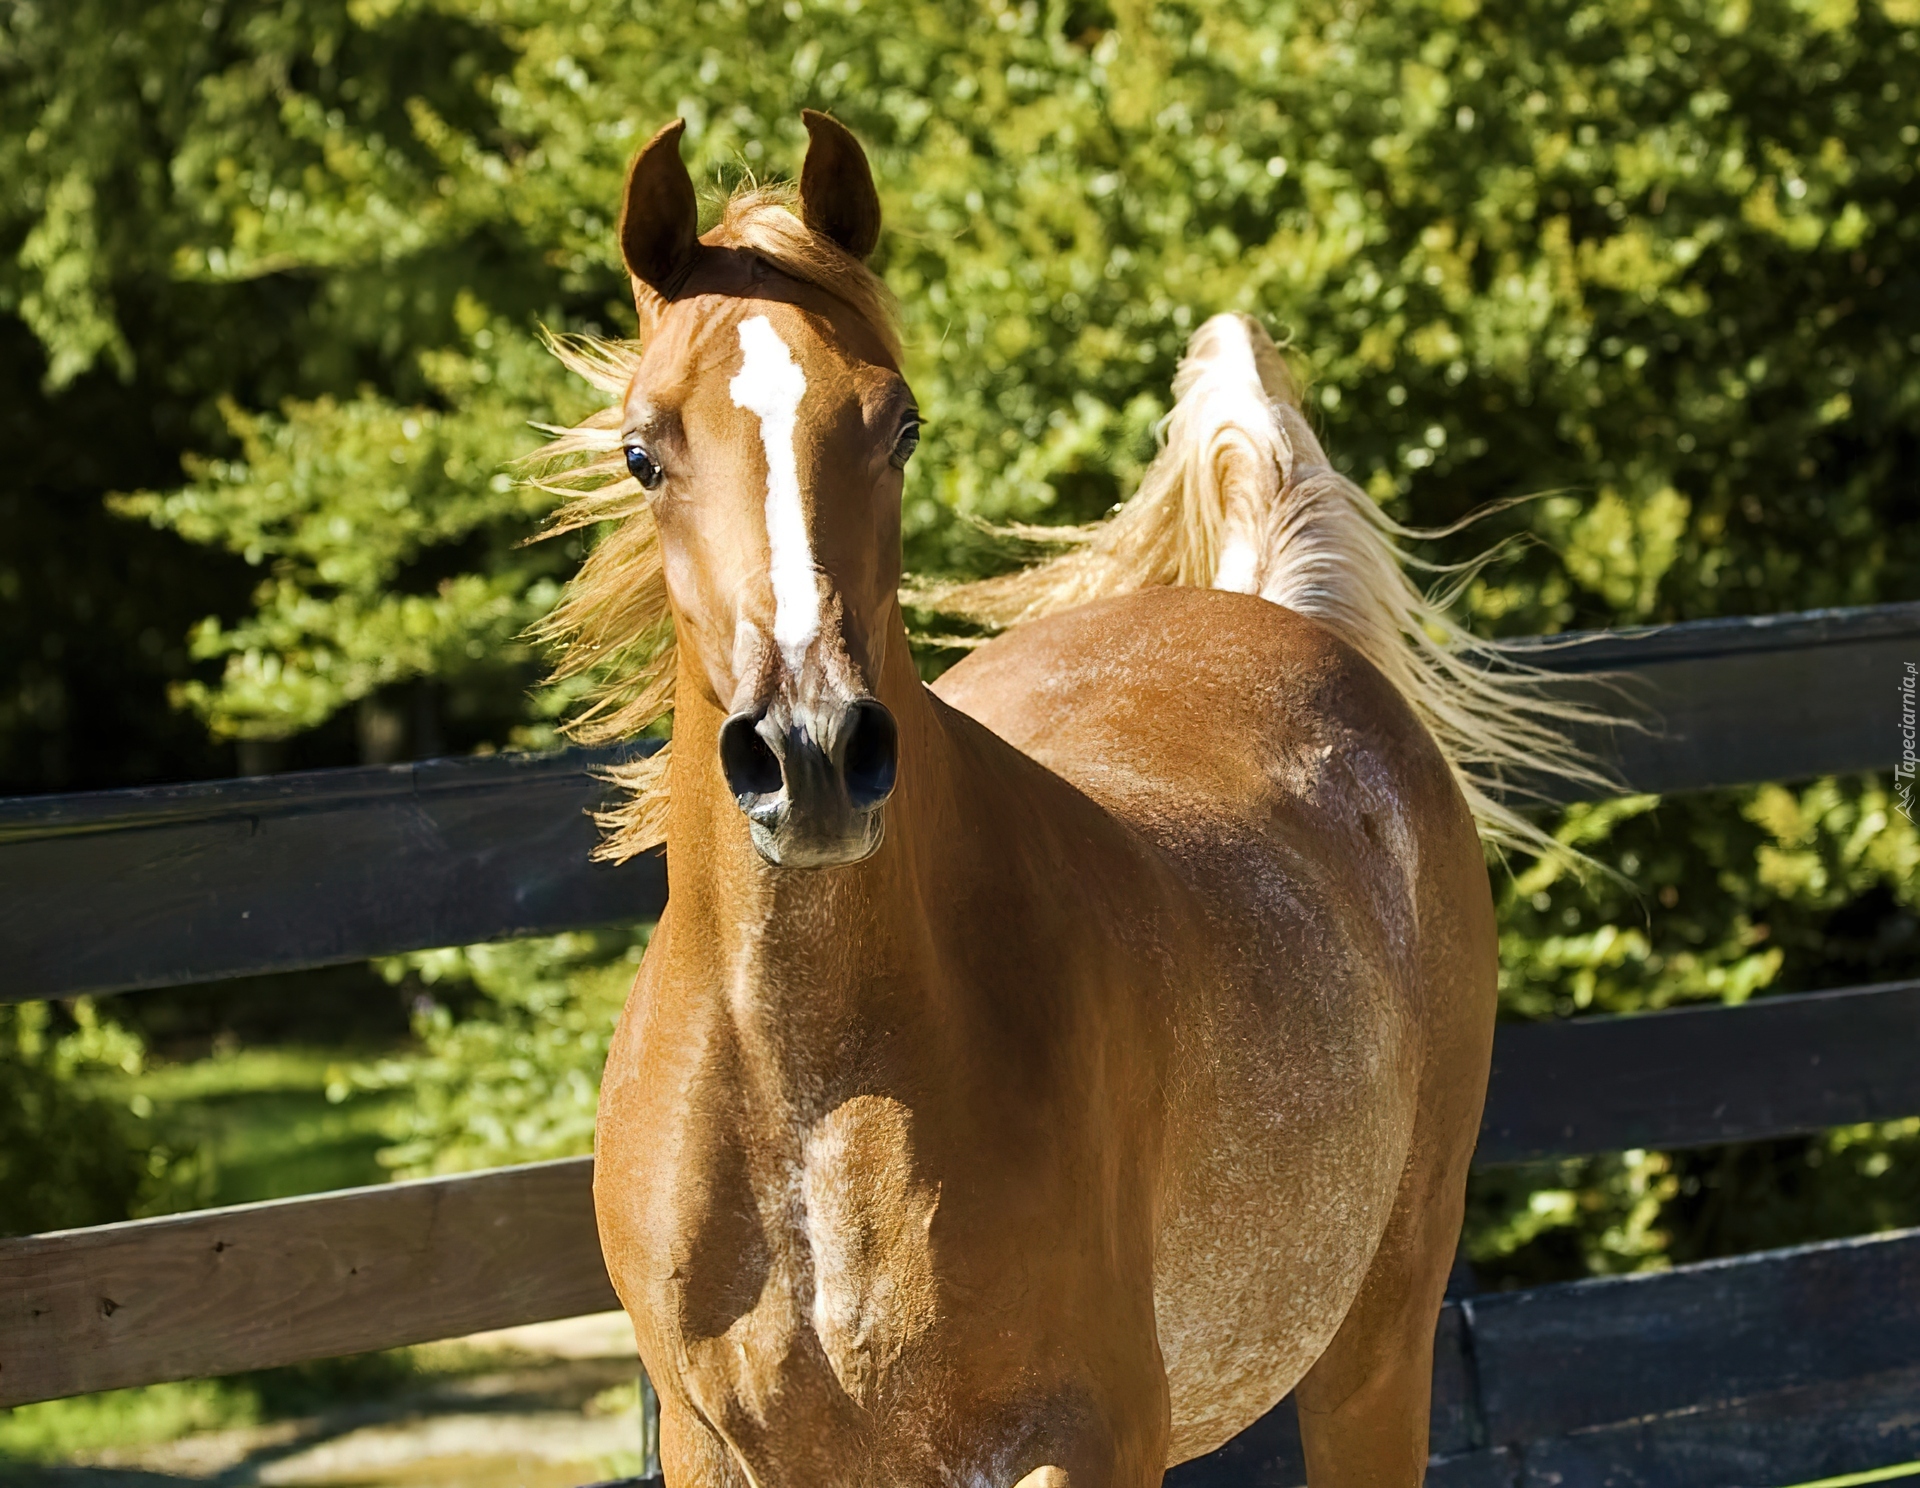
{"x":1654,"y":256}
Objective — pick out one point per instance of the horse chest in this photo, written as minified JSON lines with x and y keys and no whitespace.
{"x":827,"y":1261}
{"x":868,"y":1217}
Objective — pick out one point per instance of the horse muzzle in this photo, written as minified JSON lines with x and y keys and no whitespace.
{"x":811,"y":781}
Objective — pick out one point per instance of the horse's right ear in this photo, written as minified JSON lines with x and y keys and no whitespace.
{"x":659,"y":218}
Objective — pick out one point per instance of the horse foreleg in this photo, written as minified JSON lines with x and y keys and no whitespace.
{"x":1376,"y":1434}
{"x":691,"y":1454}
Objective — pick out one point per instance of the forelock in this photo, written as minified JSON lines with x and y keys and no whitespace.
{"x":761,"y":219}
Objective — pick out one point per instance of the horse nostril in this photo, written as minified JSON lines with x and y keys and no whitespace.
{"x":745,"y":759}
{"x":872,"y":753}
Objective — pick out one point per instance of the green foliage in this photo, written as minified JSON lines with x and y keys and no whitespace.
{"x":346,"y":497}
{"x":69,"y":1155}
{"x":517,"y":1078}
{"x":93,"y":1131}
{"x":1515,"y":248}
{"x":1656,"y":258}
{"x":1723,"y":902}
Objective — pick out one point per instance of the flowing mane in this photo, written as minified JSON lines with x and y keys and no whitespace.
{"x":614,"y":625}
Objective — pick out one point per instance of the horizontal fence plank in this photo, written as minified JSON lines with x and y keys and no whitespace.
{"x":150,"y":888}
{"x":1738,"y":701}
{"x":153,"y":888}
{"x":1804,"y":1361}
{"x":1775,"y":1067}
{"x":1557,"y":1360}
{"x":1771,"y":1441}
{"x":260,"y":1285}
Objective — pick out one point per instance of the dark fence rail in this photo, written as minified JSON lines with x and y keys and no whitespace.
{"x":120,"y":890}
{"x":1695,"y":1077}
{"x":1735,"y":702}
{"x":150,"y":888}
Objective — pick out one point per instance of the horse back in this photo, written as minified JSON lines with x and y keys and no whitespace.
{"x":1194,"y":712}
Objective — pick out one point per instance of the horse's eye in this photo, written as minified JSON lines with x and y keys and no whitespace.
{"x":904,"y":446}
{"x":643,"y":468}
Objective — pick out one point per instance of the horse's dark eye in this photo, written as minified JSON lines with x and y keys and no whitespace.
{"x":904,"y":446}
{"x":642,"y":467}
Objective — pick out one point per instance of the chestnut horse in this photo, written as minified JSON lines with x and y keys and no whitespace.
{"x":1036,"y":1076}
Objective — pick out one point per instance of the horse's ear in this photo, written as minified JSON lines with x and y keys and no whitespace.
{"x":837,"y":199}
{"x":659,"y":218}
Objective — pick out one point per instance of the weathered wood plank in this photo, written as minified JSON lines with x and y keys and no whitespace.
{"x":152,"y":888}
{"x":276,"y":1283}
{"x":1827,"y":1057}
{"x":1663,"y":1080}
{"x":1494,"y":1467}
{"x":1686,"y":1078}
{"x":1796,"y":1436}
{"x":1559,"y":1359}
{"x":259,"y":1285}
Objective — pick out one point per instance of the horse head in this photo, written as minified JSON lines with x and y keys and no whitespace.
{"x":769,"y":425}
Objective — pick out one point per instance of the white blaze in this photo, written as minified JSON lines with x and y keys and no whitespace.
{"x":769,"y":385}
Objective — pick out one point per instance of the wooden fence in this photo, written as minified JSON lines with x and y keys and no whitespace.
{"x":1762,"y":1371}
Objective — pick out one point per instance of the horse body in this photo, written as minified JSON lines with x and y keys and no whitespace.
{"x":1338,"y":984}
{"x":1082,"y":1130}
{"x":1034,"y":1077}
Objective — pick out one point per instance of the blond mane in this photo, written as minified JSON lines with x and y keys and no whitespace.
{"x":613,"y":626}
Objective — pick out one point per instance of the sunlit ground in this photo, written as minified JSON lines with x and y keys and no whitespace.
{"x":550,"y":1406}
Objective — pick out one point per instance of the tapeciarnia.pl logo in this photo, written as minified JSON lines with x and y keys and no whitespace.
{"x":1903,"y":775}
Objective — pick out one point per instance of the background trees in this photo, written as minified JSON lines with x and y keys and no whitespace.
{"x":273,"y":273}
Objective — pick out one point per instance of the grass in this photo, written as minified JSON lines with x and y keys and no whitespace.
{"x":265,"y":1123}
{"x":58,"y":1429}
{"x":53,"y":1430}
{"x":1861,"y":1479}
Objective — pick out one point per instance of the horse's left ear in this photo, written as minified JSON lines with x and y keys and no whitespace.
{"x":837,"y":199}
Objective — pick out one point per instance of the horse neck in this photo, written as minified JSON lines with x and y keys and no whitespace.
{"x":809,"y":955}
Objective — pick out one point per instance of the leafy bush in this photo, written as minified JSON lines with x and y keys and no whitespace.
{"x":516,"y":1076}
{"x":69,"y":1154}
